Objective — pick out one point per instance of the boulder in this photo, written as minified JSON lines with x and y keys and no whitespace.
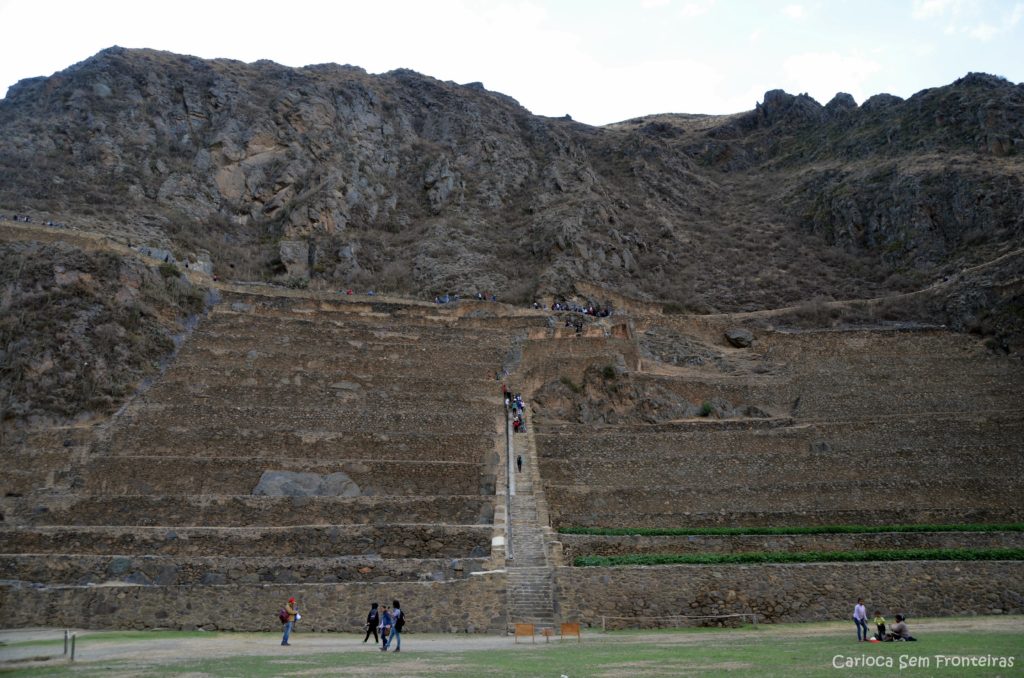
{"x":739,"y":337}
{"x":293,"y":484}
{"x":295,"y":257}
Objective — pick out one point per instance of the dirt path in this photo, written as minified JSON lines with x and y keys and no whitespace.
{"x":92,"y":647}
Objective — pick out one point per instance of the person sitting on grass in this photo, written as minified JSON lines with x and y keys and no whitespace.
{"x":900,"y":630}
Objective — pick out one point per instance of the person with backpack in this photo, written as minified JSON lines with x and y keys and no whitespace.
{"x":287,"y":616}
{"x":372,"y":621}
{"x":398,"y":623}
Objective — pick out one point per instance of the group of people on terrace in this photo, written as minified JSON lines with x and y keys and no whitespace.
{"x":898,"y":631}
{"x":26,"y":219}
{"x":595,"y":311}
{"x":449,"y":298}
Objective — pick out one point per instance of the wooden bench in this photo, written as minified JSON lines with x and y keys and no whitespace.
{"x":524,"y":630}
{"x":572,"y":629}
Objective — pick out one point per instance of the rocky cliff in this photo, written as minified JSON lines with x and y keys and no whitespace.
{"x":400,"y":181}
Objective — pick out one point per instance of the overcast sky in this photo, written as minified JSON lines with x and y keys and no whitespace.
{"x":598,"y":60}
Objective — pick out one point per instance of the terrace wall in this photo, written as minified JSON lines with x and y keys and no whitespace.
{"x":474,"y":604}
{"x":790,"y":592}
{"x":576,"y":545}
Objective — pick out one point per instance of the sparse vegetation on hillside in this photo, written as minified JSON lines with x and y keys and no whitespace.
{"x":80,"y":329}
{"x":604,"y":396}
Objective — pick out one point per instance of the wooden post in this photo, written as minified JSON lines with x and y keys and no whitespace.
{"x":72,"y":647}
{"x":604,"y":629}
{"x":65,"y":642}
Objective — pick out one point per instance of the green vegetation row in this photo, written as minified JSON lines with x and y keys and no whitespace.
{"x":815,"y":529}
{"x":804,"y":557}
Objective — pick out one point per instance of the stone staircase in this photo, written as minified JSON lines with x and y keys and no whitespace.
{"x":530,"y":575}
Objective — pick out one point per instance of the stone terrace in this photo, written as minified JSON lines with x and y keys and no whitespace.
{"x":873,"y":427}
{"x":393,"y":409}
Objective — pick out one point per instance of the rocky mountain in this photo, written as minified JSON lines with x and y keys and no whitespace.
{"x":328,"y":175}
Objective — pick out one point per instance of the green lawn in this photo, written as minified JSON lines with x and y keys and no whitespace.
{"x":870,"y":556}
{"x":782,"y":650}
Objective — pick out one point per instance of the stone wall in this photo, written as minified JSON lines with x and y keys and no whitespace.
{"x":575,"y":545}
{"x":56,"y":569}
{"x":329,"y":417}
{"x":301,"y":443}
{"x":194,"y":511}
{"x":474,"y":604}
{"x":226,"y":476}
{"x":791,"y":592}
{"x":391,"y":541}
{"x":817,"y":503}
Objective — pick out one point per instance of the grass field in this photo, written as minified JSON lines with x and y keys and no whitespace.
{"x":776,"y":650}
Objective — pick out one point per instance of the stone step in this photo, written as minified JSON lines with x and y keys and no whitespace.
{"x":387,"y":541}
{"x":150,"y":570}
{"x":718,"y":492}
{"x":230,"y":332}
{"x":125,"y":475}
{"x":245,"y":510}
{"x":393,"y":363}
{"x":332,"y":416}
{"x":326,"y":445}
{"x":689,"y":467}
{"x":343,"y":393}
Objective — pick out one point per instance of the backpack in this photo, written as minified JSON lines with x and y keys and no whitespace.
{"x":400,"y":622}
{"x":282,"y":614}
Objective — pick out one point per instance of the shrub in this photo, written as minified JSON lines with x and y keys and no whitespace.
{"x":706,"y":408}
{"x":812,"y":529}
{"x":800,"y":557}
{"x":168,"y":270}
{"x":571,"y":385}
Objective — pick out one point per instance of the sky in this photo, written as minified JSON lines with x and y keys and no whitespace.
{"x":600,"y":61}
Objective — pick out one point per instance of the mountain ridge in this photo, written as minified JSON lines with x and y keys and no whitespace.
{"x":403,"y":182}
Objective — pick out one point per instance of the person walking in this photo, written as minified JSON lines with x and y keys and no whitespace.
{"x":385,"y":628}
{"x":519,"y":463}
{"x":372,"y":621}
{"x":860,"y":618}
{"x":398,"y":618}
{"x":292,"y":611}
